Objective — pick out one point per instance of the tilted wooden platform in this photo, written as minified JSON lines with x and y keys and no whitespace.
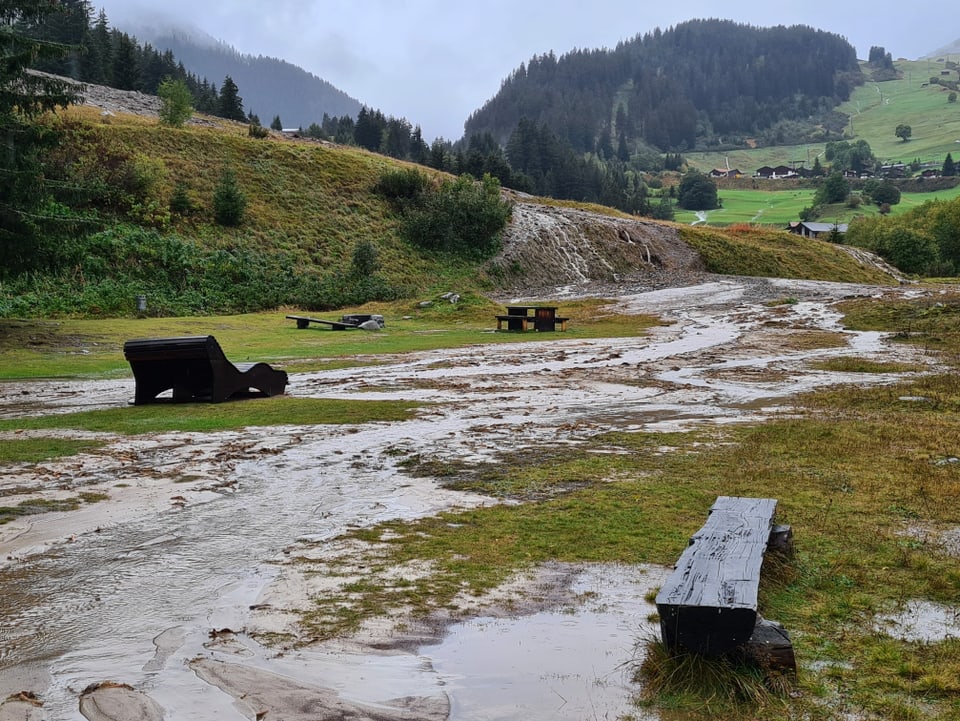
{"x":196,"y":369}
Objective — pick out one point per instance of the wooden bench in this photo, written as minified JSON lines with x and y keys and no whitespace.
{"x":346,"y":322}
{"x":304,"y":322}
{"x":196,"y":369}
{"x":515,"y":322}
{"x":708,"y":605}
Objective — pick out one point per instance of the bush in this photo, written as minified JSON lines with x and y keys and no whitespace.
{"x":176,"y":102}
{"x":402,"y":186}
{"x":462,"y":217}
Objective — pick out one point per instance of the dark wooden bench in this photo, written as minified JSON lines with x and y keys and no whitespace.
{"x":346,"y":322}
{"x":708,"y":605}
{"x":196,"y":369}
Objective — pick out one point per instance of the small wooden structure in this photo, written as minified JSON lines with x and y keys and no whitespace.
{"x":196,"y":369}
{"x":542,"y":318}
{"x":709,"y":604}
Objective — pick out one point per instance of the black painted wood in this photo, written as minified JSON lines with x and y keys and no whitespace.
{"x":709,"y":603}
{"x":196,"y":369}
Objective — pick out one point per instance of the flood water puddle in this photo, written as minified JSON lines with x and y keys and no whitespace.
{"x":566,"y":663}
{"x":922,"y":621}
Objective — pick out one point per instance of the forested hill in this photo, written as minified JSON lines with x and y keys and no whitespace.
{"x":269,"y":87}
{"x":694,"y":85}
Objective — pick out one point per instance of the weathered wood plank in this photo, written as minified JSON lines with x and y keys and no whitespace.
{"x":709,"y":604}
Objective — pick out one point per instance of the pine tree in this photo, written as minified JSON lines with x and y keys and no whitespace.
{"x":949,"y":166}
{"x":276,"y":124}
{"x":229,"y":202}
{"x":231,"y":104}
{"x":24,"y":97}
{"x":126,"y":66}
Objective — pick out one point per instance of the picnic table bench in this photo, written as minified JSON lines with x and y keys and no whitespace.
{"x":195,"y":368}
{"x":542,"y":318}
{"x":708,"y":605}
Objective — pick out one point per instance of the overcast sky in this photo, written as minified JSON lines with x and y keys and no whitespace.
{"x":434,"y":62}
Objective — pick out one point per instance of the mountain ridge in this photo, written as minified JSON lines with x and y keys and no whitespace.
{"x":268,"y":86}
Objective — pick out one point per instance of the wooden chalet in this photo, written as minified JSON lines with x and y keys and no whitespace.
{"x":815,"y":230}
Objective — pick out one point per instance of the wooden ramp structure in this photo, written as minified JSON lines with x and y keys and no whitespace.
{"x":196,"y":369}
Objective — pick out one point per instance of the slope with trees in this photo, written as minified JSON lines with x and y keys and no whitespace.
{"x":690,"y":86}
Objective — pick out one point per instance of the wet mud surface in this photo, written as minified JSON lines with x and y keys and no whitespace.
{"x":167,"y":587}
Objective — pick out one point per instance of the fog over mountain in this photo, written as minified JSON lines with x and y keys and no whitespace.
{"x":268,"y":86}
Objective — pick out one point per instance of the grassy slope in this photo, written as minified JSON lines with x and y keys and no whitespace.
{"x":876,"y":109}
{"x":313,"y":200}
{"x":317,"y":201}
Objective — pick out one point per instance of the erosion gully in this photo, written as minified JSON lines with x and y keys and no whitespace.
{"x":134,"y":589}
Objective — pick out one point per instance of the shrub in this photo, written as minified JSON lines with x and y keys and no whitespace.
{"x":462,"y":217}
{"x":255,"y":130}
{"x":402,"y":186}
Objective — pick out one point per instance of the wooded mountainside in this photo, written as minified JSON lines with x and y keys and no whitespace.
{"x":270,"y":87}
{"x":691,"y":86}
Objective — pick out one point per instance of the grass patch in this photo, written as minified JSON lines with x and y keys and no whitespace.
{"x":79,"y":348}
{"x":36,"y":506}
{"x":207,"y":417}
{"x":34,"y":450}
{"x":777,"y":253}
{"x":709,"y":687}
{"x":852,"y":364}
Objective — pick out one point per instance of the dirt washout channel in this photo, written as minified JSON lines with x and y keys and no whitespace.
{"x":164,"y":588}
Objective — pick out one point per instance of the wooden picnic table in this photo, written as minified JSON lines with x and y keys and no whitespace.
{"x":542,"y":318}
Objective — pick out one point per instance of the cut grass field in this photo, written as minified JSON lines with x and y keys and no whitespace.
{"x":79,"y":348}
{"x":779,"y":207}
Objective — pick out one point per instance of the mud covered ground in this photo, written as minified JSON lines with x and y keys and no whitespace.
{"x":156,"y":601}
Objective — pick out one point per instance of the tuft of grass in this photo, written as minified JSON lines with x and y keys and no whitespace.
{"x":705,"y":687}
{"x":852,"y":364}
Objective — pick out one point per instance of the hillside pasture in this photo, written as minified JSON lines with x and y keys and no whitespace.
{"x":875,"y":109}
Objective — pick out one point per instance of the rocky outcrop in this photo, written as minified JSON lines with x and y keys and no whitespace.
{"x":549,"y":246}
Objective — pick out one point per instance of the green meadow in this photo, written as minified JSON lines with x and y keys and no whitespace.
{"x":779,"y":207}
